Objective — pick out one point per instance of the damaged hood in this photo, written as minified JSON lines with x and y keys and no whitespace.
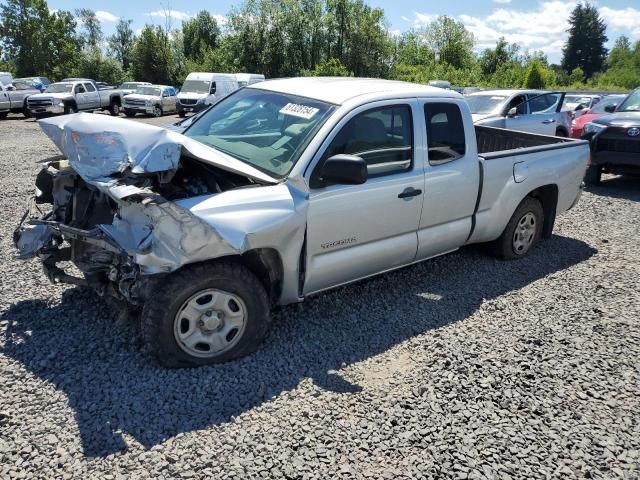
{"x":98,"y":147}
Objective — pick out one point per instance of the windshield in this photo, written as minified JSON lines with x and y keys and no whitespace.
{"x":484,"y":104}
{"x":129,"y":86}
{"x":631,"y":103}
{"x":148,"y":91}
{"x":196,"y":86}
{"x":265,"y":129}
{"x":59,"y":88}
{"x":599,"y":108}
{"x":577,"y":100}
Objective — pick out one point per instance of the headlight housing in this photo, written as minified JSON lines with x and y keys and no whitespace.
{"x":148,"y":103}
{"x":590,"y":127}
{"x":201,"y":100}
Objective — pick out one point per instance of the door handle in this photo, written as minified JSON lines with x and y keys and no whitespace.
{"x":549,"y":121}
{"x":410,"y":192}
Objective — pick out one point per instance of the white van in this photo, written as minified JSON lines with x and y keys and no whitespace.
{"x":245,"y":79}
{"x":202,"y":89}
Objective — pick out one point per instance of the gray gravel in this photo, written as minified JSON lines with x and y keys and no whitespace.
{"x":461,"y":367}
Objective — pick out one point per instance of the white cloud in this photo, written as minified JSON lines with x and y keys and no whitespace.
{"x":104,"y":16}
{"x":502,"y":1}
{"x":221,"y":19}
{"x":422,"y":19}
{"x":177,"y":14}
{"x":624,"y":20}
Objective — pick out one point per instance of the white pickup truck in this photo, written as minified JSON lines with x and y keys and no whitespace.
{"x":282,"y":190}
{"x":74,"y":95}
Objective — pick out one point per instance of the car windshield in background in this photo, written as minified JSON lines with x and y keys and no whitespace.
{"x":148,"y":91}
{"x":482,"y":104}
{"x":128,"y":86}
{"x":196,"y":86}
{"x":267,"y":130}
{"x":577,"y":100}
{"x":631,"y":104}
{"x":599,"y":108}
{"x":22,"y":85}
{"x":59,"y":88}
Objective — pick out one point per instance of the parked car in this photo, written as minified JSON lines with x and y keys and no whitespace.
{"x":534,"y":111}
{"x":39,"y":83}
{"x":130,"y":87}
{"x":245,"y":79}
{"x":607,"y":105}
{"x":14,"y":100}
{"x":615,"y":140}
{"x":153,"y":100}
{"x":73,"y":96}
{"x":281,"y":190}
{"x":578,"y":103}
{"x":203,"y":89}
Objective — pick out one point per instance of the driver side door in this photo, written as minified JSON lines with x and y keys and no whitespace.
{"x":354,"y":231}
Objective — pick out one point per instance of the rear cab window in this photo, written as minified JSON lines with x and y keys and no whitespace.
{"x":445,"y":132}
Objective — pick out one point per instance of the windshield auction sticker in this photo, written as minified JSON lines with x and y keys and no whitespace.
{"x":297,"y":110}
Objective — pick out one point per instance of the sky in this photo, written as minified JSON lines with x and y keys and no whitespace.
{"x":533,"y":25}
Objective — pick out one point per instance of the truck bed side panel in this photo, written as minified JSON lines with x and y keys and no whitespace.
{"x":563,"y":167}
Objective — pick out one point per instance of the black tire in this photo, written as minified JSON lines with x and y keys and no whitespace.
{"x":129,"y":113}
{"x":168,"y":297}
{"x":70,"y":108}
{"x":3,"y":115}
{"x":561,"y":133}
{"x":25,"y":111}
{"x":157,"y":111}
{"x":182,"y":113}
{"x":114,"y":109}
{"x":505,"y":247}
{"x":593,"y":175}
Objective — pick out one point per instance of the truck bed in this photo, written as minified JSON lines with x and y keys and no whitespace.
{"x":498,"y":142}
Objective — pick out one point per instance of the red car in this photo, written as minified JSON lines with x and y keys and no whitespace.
{"x":598,"y":110}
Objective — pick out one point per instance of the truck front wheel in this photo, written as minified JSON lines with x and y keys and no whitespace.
{"x":70,"y":108}
{"x":523,"y":231}
{"x":114,"y":109}
{"x":204,"y":314}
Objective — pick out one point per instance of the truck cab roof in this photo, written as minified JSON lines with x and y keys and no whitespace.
{"x":339,"y":90}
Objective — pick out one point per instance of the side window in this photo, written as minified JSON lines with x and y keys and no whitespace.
{"x":445,"y":132}
{"x":89,"y":87}
{"x":213,"y":87}
{"x":79,"y":88}
{"x":382,"y":137}
{"x":520,"y":104}
{"x":544,"y":103}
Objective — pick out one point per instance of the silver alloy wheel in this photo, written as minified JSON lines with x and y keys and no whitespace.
{"x":157,"y":112}
{"x":210,"y":322}
{"x":524,"y":233}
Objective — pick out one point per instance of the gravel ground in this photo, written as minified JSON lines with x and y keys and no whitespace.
{"x":461,"y":367}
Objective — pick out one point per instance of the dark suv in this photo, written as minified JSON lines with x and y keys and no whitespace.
{"x":615,"y":141}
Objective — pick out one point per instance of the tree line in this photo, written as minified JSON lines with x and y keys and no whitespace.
{"x":284,"y":38}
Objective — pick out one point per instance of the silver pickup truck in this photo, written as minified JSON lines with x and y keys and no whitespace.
{"x":14,"y":100}
{"x":74,"y":96}
{"x":282,"y":190}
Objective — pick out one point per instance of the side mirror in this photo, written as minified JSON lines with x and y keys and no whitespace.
{"x":610,"y":108}
{"x":344,"y":170}
{"x":513,"y":111}
{"x":10,"y":88}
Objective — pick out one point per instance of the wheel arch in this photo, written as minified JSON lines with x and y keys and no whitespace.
{"x":547,"y":195}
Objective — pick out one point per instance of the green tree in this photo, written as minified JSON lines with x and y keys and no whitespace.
{"x":92,"y":30}
{"x":199,"y":34}
{"x":412,"y":49}
{"x":94,"y":64}
{"x":37,"y":41}
{"x":152,"y":58}
{"x":535,"y":75}
{"x":504,"y":54}
{"x":450,"y":41}
{"x":330,"y":68}
{"x":576,"y":76}
{"x":121,"y":43}
{"x":585,"y":45}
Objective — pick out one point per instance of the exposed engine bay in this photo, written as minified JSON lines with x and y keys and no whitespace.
{"x":78,"y":215}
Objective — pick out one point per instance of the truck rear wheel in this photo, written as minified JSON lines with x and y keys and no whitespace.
{"x":204,"y":314}
{"x":593,"y":175}
{"x":523,"y":231}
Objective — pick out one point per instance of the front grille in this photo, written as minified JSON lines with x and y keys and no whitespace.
{"x":134,"y":102}
{"x":618,"y":145}
{"x":39,"y":103}
{"x":188,"y":101}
